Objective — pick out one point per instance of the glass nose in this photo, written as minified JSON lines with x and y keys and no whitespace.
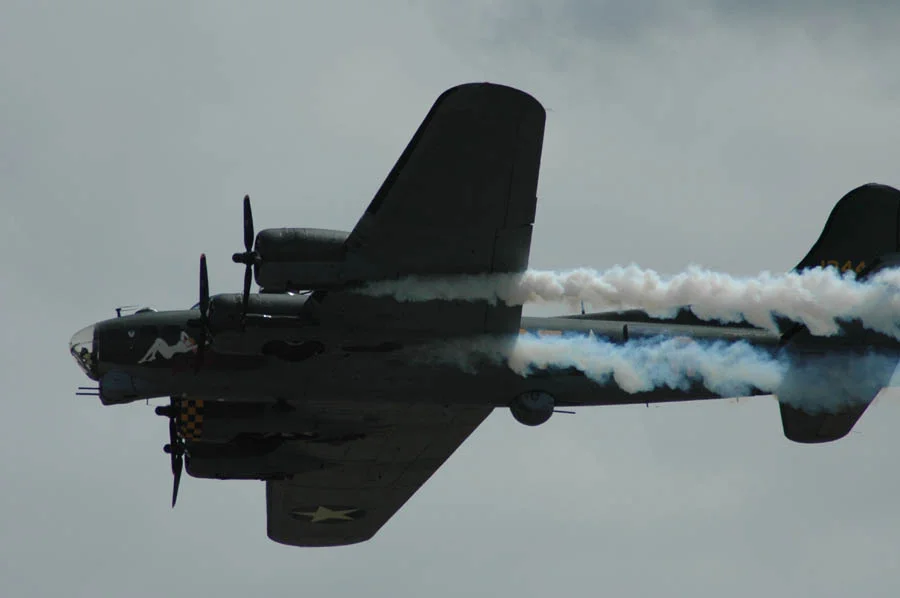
{"x":83,"y":349}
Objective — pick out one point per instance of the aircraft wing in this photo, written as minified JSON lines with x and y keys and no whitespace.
{"x":460,"y":200}
{"x":367,"y":479}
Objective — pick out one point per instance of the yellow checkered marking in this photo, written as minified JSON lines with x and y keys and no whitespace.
{"x":191,"y":419}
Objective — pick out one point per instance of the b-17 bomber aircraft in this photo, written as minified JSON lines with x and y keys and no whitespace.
{"x":321,"y":391}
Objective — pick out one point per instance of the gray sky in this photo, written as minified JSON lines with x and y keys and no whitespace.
{"x":720,"y":134}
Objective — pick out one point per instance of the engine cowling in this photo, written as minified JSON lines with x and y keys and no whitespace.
{"x":308,"y":244}
{"x":294,"y":259}
{"x":226,"y":309}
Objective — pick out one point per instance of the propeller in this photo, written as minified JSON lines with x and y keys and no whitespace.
{"x":175,"y":448}
{"x":204,"y":312}
{"x":249,"y":257}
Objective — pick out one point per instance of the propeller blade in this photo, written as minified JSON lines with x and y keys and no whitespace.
{"x":204,"y":287}
{"x":248,"y":225}
{"x":204,"y":312}
{"x":175,"y":449}
{"x":249,"y":258}
{"x":177,"y":467}
{"x":201,"y":350}
{"x":173,"y":442}
{"x":248,"y":279}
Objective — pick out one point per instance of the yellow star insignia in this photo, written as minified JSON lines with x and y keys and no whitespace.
{"x":325,"y":514}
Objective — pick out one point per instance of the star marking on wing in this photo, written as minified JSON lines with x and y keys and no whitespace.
{"x":324,"y":514}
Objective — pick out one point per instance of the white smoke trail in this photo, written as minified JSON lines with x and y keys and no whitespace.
{"x":727,"y":369}
{"x":815,"y":384}
{"x":829,"y":383}
{"x":817,"y":297}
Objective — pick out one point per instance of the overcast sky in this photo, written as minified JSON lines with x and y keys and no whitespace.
{"x":721,"y":134}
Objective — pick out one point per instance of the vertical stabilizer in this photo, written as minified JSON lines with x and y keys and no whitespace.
{"x":862,"y":229}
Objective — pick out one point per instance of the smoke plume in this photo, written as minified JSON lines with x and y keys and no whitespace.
{"x":817,"y":297}
{"x":811,"y":383}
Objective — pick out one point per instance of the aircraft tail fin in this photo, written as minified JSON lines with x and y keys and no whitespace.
{"x":864,"y":225}
{"x":859,"y":235}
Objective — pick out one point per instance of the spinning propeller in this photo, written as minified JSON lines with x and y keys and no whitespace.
{"x":175,"y":448}
{"x":249,"y":257}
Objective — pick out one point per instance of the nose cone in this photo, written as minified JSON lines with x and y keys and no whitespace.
{"x":84,"y":349}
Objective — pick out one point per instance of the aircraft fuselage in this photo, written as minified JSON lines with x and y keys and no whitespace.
{"x":279,"y":356}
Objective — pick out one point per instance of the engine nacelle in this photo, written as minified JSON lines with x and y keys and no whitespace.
{"x":532,"y":408}
{"x":247,"y":458}
{"x":226,"y":308}
{"x":293,"y":259}
{"x":301,"y":244}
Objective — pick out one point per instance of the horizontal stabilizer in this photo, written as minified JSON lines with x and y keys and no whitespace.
{"x":823,"y":395}
{"x":809,"y":428}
